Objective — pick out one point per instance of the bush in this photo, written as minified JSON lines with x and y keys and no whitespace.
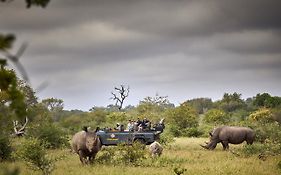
{"x":5,"y":147}
{"x":262,"y":115}
{"x":193,"y":132}
{"x":186,"y":132}
{"x":32,"y":152}
{"x":122,"y":155}
{"x":166,"y":137}
{"x":216,"y":116}
{"x":269,"y":136}
{"x":52,"y":136}
{"x":249,"y":150}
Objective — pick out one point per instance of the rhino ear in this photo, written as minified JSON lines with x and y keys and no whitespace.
{"x":97,"y":129}
{"x":210,"y":134}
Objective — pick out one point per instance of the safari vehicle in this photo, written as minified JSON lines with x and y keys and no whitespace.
{"x":108,"y":137}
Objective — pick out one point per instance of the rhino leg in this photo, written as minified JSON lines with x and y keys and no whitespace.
{"x":92,"y":157}
{"x":225,"y":145}
{"x":82,"y":157}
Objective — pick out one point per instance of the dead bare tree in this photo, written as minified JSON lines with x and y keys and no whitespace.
{"x":21,"y":131}
{"x":120,"y":96}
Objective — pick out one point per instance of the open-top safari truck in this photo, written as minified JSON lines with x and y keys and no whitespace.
{"x":110,"y":137}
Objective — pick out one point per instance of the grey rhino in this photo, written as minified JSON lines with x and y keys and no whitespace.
{"x":86,"y":144}
{"x":230,"y":134}
{"x":155,"y":149}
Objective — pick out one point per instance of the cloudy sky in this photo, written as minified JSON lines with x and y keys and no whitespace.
{"x":180,"y":48}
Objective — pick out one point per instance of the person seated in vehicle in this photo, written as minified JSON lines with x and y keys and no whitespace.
{"x":145,"y":124}
{"x":119,"y":127}
{"x":130,"y":125}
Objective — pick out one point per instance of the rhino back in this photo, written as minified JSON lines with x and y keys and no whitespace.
{"x":79,"y":141}
{"x":235,"y":135}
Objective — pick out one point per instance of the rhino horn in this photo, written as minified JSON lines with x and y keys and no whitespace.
{"x":204,"y":146}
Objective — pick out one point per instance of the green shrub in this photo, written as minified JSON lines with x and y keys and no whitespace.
{"x":249,"y":150}
{"x":186,"y":132}
{"x":179,"y":171}
{"x":122,"y":155}
{"x":34,"y":155}
{"x":216,"y":116}
{"x":262,"y":115}
{"x":166,"y":137}
{"x":51,"y":135}
{"x":205,"y":129}
{"x":5,"y":147}
{"x":192,"y":132}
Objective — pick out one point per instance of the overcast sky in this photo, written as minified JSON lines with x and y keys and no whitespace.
{"x":182,"y":49}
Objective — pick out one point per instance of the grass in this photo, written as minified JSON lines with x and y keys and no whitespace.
{"x":184,"y":153}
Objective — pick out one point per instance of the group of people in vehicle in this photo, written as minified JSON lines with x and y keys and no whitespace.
{"x":135,"y":125}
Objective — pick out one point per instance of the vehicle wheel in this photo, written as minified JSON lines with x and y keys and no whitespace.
{"x":140,"y":142}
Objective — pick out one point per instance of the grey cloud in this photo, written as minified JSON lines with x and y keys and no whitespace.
{"x":179,"y":48}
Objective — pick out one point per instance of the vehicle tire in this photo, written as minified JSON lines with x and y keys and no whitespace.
{"x":141,"y":142}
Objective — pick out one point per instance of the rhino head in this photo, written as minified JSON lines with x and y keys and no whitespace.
{"x":93,"y":143}
{"x":212,"y":144}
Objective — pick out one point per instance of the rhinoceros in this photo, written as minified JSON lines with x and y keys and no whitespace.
{"x":86,"y":144}
{"x":230,"y":134}
{"x":155,"y":149}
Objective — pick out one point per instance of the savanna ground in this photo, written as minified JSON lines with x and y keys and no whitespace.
{"x":184,"y":153}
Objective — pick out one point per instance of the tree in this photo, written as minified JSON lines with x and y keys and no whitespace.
{"x":200,"y":104}
{"x":231,"y":102}
{"x":120,"y":96}
{"x":12,"y":100}
{"x":266,"y":100}
{"x":154,"y":107}
{"x":216,"y":116}
{"x":183,"y":120}
{"x":55,"y":106}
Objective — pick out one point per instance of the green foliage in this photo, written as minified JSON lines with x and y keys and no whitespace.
{"x":183,"y":116}
{"x":266,"y":100}
{"x":153,"y":108}
{"x":166,"y":137}
{"x":99,"y":116}
{"x":5,"y":147}
{"x":216,"y":116}
{"x":262,"y":115}
{"x":55,"y":106}
{"x":201,"y":104}
{"x":6,"y":41}
{"x":122,"y":155}
{"x":50,"y":135}
{"x":268,"y":138}
{"x":120,"y":117}
{"x":12,"y":100}
{"x":183,"y":120}
{"x":249,"y":150}
{"x":179,"y":171}
{"x":231,"y":102}
{"x":34,"y":155}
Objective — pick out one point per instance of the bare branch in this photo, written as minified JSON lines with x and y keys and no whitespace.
{"x":21,"y":131}
{"x":123,"y":93}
